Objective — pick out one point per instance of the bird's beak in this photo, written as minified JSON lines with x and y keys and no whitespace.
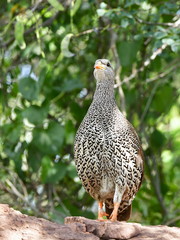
{"x":99,"y":65}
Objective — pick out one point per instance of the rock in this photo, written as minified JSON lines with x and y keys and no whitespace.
{"x":123,"y":230}
{"x":107,"y":229}
{"x":17,"y":226}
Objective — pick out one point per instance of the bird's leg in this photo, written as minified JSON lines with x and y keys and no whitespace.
{"x":119,"y":191}
{"x":114,"y":213}
{"x":101,"y":212}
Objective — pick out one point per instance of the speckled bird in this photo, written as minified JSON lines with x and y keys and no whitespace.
{"x":107,"y":150}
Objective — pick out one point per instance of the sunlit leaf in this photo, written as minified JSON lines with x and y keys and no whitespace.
{"x":65,"y":46}
{"x":19,"y":34}
{"x":124,"y":22}
{"x":101,"y":12}
{"x":75,"y":6}
{"x":175,"y":46}
{"x":56,"y":4}
{"x":168,"y":41}
{"x":52,"y":172}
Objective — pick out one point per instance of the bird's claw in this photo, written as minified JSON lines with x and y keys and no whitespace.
{"x":102,"y":214}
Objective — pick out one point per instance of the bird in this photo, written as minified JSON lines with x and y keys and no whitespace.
{"x":107,"y":151}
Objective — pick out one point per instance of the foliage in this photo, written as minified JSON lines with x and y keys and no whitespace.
{"x":48,"y":49}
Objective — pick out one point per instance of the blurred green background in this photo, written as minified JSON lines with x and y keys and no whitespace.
{"x":47,"y":52}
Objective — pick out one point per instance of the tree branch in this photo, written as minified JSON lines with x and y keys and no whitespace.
{"x":159,"y":76}
{"x":146,"y":109}
{"x":145,"y":64}
{"x":150,"y":59}
{"x":170,"y":24}
{"x":32,"y":29}
{"x":155,"y":179}
{"x":172,"y":221}
{"x":164,"y":73}
{"x":157,"y":186}
{"x":94,"y":30}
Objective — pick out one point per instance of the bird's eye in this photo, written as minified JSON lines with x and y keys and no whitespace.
{"x":108,"y":64}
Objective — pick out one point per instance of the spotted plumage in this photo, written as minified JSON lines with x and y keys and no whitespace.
{"x":107,"y":150}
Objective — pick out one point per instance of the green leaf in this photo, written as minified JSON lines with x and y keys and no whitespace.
{"x":19,"y":34}
{"x":18,"y":159}
{"x":103,"y":5}
{"x":168,"y":41}
{"x":101,"y":12}
{"x":163,"y":99}
{"x":128,"y":51}
{"x":50,"y":140}
{"x":175,"y":46}
{"x":126,"y":14}
{"x":56,"y":4}
{"x":12,"y":132}
{"x":29,"y":88}
{"x":65,"y":46}
{"x":160,"y":35}
{"x":52,"y":172}
{"x":71,"y":84}
{"x":35,"y":114}
{"x":132,"y":2}
{"x":157,"y":139}
{"x":71,"y":171}
{"x":75,"y":7}
{"x":70,"y":132}
{"x":34,"y":157}
{"x":124,"y":23}
{"x":77,"y":111}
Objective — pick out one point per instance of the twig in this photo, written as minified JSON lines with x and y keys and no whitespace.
{"x":15,"y":191}
{"x":157,"y":77}
{"x":94,"y":30}
{"x":163,"y":74}
{"x":150,"y":59}
{"x":155,"y":179}
{"x":149,"y":102}
{"x":36,"y":6}
{"x":88,"y":31}
{"x":173,"y":220}
{"x":32,"y":29}
{"x":145,"y":64}
{"x":170,"y":24}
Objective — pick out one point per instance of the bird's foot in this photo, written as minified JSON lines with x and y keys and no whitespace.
{"x":102,"y":214}
{"x":113,"y":216}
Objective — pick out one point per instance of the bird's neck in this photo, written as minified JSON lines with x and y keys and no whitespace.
{"x":104,"y":92}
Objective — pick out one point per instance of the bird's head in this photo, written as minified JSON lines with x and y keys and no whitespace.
{"x":103,"y":70}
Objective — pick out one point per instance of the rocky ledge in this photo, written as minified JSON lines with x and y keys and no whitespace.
{"x":17,"y":226}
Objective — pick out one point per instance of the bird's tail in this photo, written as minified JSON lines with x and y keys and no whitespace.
{"x":123,"y":215}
